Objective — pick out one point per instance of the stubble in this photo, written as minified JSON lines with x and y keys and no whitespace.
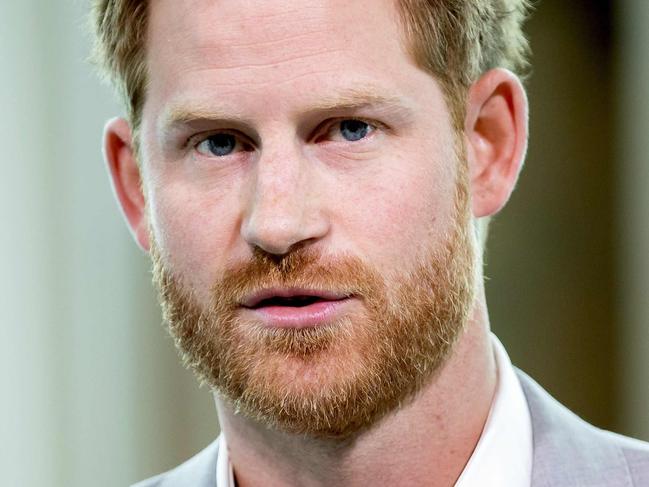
{"x":333,"y":380}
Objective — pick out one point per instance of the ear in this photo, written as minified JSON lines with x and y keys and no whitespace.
{"x":125,"y":176}
{"x":496,"y":131}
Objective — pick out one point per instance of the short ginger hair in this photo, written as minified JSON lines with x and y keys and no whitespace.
{"x":456,"y":41}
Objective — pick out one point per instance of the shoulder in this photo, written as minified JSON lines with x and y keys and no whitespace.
{"x":198,"y":471}
{"x":636,"y":454}
{"x":570,"y":451}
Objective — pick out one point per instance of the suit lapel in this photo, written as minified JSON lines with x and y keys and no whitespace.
{"x":569,"y":452}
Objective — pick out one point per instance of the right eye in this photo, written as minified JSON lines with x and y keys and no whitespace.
{"x":219,"y":145}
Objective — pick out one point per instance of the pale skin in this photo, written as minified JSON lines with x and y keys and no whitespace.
{"x":280,"y":76}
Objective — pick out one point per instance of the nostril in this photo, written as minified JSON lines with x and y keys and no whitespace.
{"x":273,"y":241}
{"x":279,"y":230}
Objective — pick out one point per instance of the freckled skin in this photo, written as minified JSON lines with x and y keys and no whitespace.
{"x":263,"y":66}
{"x":198,"y":55}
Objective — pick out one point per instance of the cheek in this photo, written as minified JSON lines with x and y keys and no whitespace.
{"x":399,"y":211}
{"x":194,"y":230}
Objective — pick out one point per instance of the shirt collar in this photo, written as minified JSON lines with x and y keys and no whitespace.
{"x":503,"y":455}
{"x":224,"y":472}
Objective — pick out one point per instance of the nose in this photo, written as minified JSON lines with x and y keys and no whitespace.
{"x":284,"y":208}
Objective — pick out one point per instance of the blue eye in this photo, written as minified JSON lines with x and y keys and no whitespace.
{"x":219,"y":145}
{"x":354,"y":130}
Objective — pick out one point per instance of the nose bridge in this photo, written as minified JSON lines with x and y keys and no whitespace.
{"x":282,"y":209}
{"x":279,"y":180}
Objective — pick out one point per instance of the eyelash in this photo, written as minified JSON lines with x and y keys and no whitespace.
{"x":328,"y":126}
{"x":195,"y":140}
{"x":324,"y":129}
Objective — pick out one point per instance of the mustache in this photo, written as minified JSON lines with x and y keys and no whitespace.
{"x":304,"y":268}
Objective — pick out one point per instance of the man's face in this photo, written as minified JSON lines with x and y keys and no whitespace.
{"x":295,"y":145}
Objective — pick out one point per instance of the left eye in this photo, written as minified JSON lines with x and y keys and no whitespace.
{"x":351,"y":130}
{"x":219,"y":145}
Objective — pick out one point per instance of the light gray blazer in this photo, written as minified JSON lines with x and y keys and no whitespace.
{"x":568,"y":452}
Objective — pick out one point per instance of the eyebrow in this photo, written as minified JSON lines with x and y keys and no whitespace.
{"x":351,"y":99}
{"x":348,"y":100}
{"x":187,"y":114}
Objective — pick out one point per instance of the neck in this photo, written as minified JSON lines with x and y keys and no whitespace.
{"x":427,"y":442}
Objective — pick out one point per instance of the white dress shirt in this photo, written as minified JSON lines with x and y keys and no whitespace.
{"x":503,"y":455}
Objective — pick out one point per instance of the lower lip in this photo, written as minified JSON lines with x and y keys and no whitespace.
{"x":313,"y":315}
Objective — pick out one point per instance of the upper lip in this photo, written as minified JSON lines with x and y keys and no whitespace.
{"x":253,"y":299}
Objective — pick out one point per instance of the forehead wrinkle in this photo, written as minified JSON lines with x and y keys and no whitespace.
{"x":245,"y":62}
{"x":244,"y":35}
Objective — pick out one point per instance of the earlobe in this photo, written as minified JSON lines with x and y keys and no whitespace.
{"x":126,"y":178}
{"x":496,"y":136}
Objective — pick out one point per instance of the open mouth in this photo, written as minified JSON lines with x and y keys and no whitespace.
{"x":295,"y":307}
{"x":292,"y":301}
{"x":290,"y":298}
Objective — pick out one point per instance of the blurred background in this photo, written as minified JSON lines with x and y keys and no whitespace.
{"x":92,"y":392}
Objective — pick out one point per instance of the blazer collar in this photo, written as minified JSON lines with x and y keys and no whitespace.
{"x":567,"y":450}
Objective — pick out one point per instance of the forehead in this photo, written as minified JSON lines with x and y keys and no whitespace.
{"x":269,"y":22}
{"x":263,"y":46}
{"x":267,"y":32}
